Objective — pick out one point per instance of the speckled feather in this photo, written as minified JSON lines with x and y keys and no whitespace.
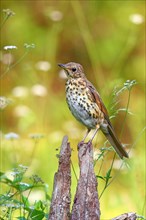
{"x":86,"y":105}
{"x":81,"y":103}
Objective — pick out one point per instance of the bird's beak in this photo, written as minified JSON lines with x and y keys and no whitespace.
{"x":62,"y":65}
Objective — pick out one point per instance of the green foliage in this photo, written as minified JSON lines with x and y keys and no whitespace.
{"x":108,"y":178}
{"x":15,"y":203}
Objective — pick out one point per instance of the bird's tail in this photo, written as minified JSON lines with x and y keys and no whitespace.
{"x":111,"y":136}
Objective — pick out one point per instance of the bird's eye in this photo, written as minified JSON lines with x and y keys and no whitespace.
{"x":74,"y":69}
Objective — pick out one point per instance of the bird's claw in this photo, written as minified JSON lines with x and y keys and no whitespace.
{"x":88,"y":144}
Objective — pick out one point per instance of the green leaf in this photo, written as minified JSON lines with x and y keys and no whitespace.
{"x":39,"y":205}
{"x":25,"y":201}
{"x":108,"y":176}
{"x":23,"y":186}
{"x":21,"y":218}
{"x":48,"y":197}
{"x":37,"y":215}
{"x":3,"y":178}
{"x":100,"y":177}
{"x":125,"y":110}
{"x":1,"y":173}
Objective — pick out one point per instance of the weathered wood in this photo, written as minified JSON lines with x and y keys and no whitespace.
{"x":86,"y":203}
{"x":60,"y":204}
{"x":126,"y":216}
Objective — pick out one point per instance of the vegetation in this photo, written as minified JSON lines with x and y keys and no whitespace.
{"x":108,"y":41}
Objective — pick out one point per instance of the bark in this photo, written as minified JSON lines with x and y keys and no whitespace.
{"x":86,"y":203}
{"x":126,"y":216}
{"x":60,"y":204}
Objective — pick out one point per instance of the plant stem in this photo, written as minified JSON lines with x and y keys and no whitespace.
{"x":126,"y":113}
{"x":4,"y":21}
{"x":107,"y":183}
{"x":18,"y":61}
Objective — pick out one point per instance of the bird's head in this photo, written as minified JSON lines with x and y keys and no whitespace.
{"x":72,"y":70}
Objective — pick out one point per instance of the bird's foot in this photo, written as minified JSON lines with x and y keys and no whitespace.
{"x":89,"y":145}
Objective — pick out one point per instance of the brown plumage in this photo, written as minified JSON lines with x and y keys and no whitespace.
{"x":86,"y":105}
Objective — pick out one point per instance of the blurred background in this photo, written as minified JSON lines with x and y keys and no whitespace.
{"x":108,"y":39}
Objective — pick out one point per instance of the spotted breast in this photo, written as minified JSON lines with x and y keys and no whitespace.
{"x":80,"y":104}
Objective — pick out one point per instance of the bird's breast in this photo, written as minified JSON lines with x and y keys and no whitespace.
{"x":83,"y":109}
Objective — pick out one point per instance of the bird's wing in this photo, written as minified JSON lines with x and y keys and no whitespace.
{"x":110,"y":134}
{"x":95,"y":97}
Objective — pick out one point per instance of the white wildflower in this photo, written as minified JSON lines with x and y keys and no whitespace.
{"x":20,"y":91}
{"x":11,"y":47}
{"x":21,"y":111}
{"x":4,"y":102}
{"x":43,"y":65}
{"x":136,"y":18}
{"x":39,"y":90}
{"x":56,"y":15}
{"x":11,"y":136}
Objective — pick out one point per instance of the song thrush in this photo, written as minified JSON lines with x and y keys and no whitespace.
{"x":86,"y":105}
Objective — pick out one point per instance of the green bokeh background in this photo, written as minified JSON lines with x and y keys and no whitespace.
{"x":104,"y":38}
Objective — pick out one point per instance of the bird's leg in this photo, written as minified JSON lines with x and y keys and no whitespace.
{"x":82,"y":142}
{"x":86,"y":134}
{"x":90,"y":141}
{"x":97,"y":128}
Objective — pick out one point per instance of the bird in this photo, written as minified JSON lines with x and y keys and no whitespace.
{"x":87,"y":106}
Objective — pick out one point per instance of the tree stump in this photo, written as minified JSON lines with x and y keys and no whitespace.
{"x":60,"y":204}
{"x":86,"y":201}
